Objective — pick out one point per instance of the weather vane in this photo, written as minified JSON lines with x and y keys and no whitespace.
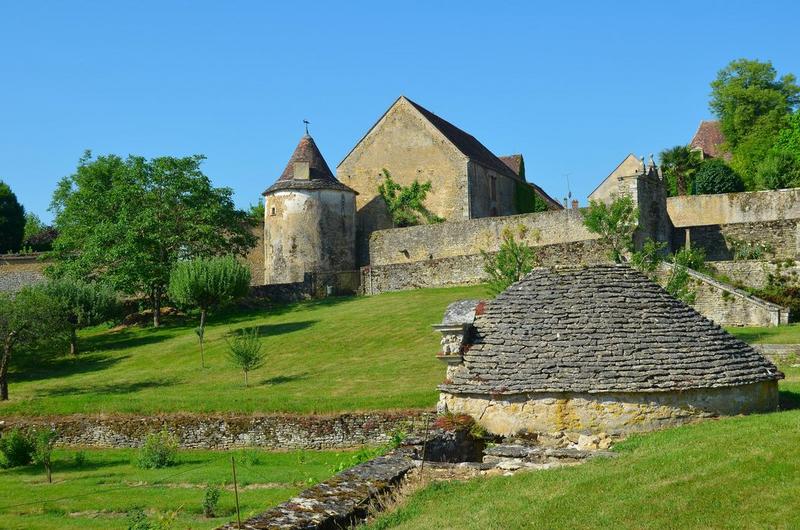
{"x":306,"y":122}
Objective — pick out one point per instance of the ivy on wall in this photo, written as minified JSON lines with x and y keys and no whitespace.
{"x":526,"y":200}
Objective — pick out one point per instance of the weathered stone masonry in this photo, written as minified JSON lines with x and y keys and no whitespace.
{"x":225,"y":431}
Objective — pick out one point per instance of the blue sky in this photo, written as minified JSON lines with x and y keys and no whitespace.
{"x":574,"y":86}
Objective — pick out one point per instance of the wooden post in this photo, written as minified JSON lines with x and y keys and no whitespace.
{"x":424,"y":445}
{"x":236,"y":494}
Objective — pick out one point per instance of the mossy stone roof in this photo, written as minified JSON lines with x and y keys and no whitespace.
{"x":599,"y":329}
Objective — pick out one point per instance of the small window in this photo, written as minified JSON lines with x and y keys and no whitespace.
{"x":272,"y":211}
{"x":493,"y":188}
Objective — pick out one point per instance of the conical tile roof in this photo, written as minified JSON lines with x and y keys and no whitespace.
{"x":320,"y":175}
{"x":596,"y":329}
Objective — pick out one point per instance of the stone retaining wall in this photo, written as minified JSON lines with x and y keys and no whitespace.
{"x":612,"y":413}
{"x":780,"y":354}
{"x":228,"y":431}
{"x":728,"y":306}
{"x":18,"y":271}
{"x":757,"y":273}
{"x":467,"y":269}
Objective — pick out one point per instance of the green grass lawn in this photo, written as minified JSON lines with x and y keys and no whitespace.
{"x":776,"y":335}
{"x":99,"y":493}
{"x":741,"y":472}
{"x":338,"y":354}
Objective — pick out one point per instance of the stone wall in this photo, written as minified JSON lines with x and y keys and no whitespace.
{"x":719,"y":241}
{"x":757,"y":273}
{"x":727,"y":305}
{"x":617,"y":413}
{"x":465,"y":238}
{"x":226,"y":431}
{"x":467,"y":269}
{"x":734,"y":208}
{"x":18,"y":271}
{"x":255,"y":256}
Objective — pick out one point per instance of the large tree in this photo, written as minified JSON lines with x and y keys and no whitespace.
{"x":753,"y":105}
{"x":128,"y":221}
{"x":28,"y":320}
{"x":679,"y":164}
{"x":12,"y":220}
{"x":615,"y":223}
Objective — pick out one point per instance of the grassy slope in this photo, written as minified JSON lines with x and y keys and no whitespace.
{"x":741,"y":472}
{"x":778,"y":335}
{"x":333,"y":355}
{"x":108,"y":485}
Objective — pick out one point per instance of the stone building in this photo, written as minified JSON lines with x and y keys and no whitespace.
{"x":309,"y":219}
{"x":630,"y":167}
{"x":709,"y":140}
{"x":412,"y":143}
{"x":595,"y":349}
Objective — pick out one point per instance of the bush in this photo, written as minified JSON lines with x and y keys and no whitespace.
{"x":210,"y":500}
{"x":43,"y":450}
{"x":79,"y":459}
{"x":715,"y":176}
{"x":513,"y":261}
{"x":160,"y":449}
{"x":17,"y":449}
{"x":245,"y":352}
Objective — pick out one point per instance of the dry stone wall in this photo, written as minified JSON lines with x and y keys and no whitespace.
{"x":612,"y":413}
{"x":229,"y":431}
{"x":18,"y":271}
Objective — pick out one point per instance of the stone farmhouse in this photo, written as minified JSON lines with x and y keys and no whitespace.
{"x":595,"y":349}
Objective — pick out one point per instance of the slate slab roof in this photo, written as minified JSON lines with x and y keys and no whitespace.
{"x":596,"y":329}
{"x":320,"y":175}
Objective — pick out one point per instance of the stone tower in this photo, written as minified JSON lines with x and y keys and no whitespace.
{"x":309,"y":219}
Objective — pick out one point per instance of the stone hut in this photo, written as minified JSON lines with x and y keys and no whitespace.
{"x":595,"y":349}
{"x":309,"y":219}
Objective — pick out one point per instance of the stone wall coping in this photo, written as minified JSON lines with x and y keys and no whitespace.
{"x":705,"y":278}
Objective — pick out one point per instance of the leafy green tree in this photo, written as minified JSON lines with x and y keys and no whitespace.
{"x":43,"y":441}
{"x":12,"y":220}
{"x":82,"y":304}
{"x":514,"y":260}
{"x":406,"y":204}
{"x":28,"y":320}
{"x":129,"y":221}
{"x":715,"y":176}
{"x":780,"y":169}
{"x":256,"y":213}
{"x":615,"y":223}
{"x":207,"y":283}
{"x":753,"y":105}
{"x":245,"y":352}
{"x":788,"y":139}
{"x":679,"y":164}
{"x":33,"y":225}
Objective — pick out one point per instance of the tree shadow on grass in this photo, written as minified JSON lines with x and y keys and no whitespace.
{"x":109,"y":389}
{"x":35,"y":368}
{"x":789,"y":400}
{"x":234,"y":314}
{"x":270,"y":330}
{"x":124,"y":339}
{"x":283,"y":379}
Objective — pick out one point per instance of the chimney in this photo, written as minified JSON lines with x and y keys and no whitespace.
{"x":574,"y":204}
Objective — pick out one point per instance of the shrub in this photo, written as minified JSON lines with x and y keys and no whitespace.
{"x":17,"y":449}
{"x":614,"y":223}
{"x":137,"y":520}
{"x":715,"y":176}
{"x":79,"y":459}
{"x":211,"y":500}
{"x":514,"y":260}
{"x":160,"y":449}
{"x":245,"y":352}
{"x":454,"y":422}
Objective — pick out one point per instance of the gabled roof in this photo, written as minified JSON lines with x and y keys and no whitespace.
{"x":515,"y":163}
{"x":320,"y":175}
{"x":630,"y":165}
{"x":709,"y":139}
{"x":464,"y":142}
{"x":595,"y":329}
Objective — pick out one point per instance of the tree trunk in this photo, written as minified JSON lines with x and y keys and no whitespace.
{"x":49,"y":474}
{"x":245,"y":378}
{"x":4,"y":362}
{"x":156,"y":307}
{"x":680,"y":184}
{"x":73,"y":341}
{"x":202,"y":336}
